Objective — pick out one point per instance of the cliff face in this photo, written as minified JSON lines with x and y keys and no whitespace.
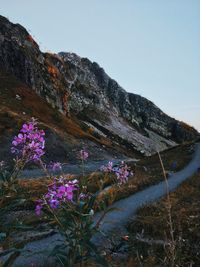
{"x":79,"y":88}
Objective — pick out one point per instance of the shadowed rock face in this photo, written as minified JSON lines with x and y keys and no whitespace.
{"x":77,"y":87}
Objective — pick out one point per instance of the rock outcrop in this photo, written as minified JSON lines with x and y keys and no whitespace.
{"x":77,"y":87}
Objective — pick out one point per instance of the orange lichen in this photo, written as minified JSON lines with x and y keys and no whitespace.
{"x":66,"y":103}
{"x":53,"y":71}
{"x":91,"y":130}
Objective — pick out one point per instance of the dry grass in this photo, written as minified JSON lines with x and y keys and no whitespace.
{"x":31,"y":105}
{"x":151,"y":222}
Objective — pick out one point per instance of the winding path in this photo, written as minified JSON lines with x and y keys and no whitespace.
{"x":126,"y":208}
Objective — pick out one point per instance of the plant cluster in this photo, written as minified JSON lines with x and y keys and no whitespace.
{"x":122,"y":172}
{"x":67,"y":202}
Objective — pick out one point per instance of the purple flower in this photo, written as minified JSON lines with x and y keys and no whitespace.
{"x":83,"y":155}
{"x":107,"y":168}
{"x":28,"y":127}
{"x":29,"y":143}
{"x":61,"y":191}
{"x":55,"y":166}
{"x":38,"y":207}
{"x":54,"y":203}
{"x":122,"y":173}
{"x":83,"y":196}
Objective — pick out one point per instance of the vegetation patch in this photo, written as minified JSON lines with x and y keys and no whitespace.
{"x":149,"y":232}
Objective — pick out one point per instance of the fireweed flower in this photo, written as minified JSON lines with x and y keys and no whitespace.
{"x":55,"y":166}
{"x":122,"y":171}
{"x":83,"y":155}
{"x":107,"y":168}
{"x":38,"y":207}
{"x":61,"y":191}
{"x":29,"y":143}
{"x":122,"y":174}
{"x":83,"y":196}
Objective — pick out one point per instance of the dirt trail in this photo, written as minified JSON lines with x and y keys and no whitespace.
{"x":126,"y":208}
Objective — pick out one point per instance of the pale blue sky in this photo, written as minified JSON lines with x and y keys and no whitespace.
{"x":151,"y":47}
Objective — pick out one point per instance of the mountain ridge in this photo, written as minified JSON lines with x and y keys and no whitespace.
{"x":77,"y":87}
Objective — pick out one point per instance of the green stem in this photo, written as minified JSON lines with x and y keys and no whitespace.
{"x":44,"y":169}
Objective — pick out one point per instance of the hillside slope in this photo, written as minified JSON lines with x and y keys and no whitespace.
{"x":64,"y":136}
{"x":81,"y":92}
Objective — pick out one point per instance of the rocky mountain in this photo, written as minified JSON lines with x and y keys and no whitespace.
{"x":79,"y":104}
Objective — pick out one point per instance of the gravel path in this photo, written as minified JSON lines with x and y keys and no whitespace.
{"x":126,"y":208}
